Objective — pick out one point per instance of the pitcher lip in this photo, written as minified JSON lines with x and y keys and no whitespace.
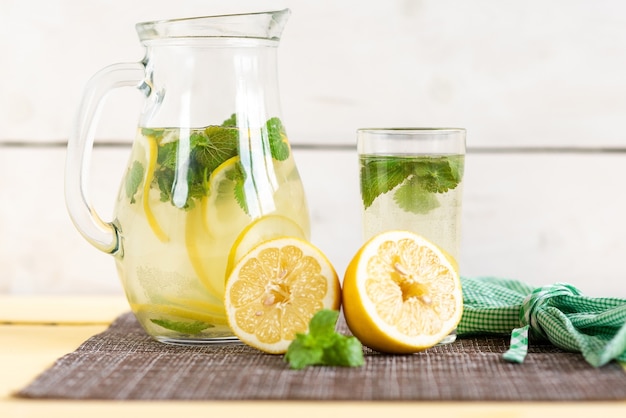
{"x":257,"y":25}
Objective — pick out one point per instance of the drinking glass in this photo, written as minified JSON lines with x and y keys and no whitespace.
{"x":412,"y":179}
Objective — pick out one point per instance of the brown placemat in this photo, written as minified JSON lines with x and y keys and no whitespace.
{"x":123,"y":363}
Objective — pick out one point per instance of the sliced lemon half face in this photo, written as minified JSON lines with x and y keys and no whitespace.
{"x":262,"y":229}
{"x":401,"y":293}
{"x":275,"y":289}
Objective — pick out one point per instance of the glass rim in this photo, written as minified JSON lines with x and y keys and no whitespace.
{"x":408,"y":130}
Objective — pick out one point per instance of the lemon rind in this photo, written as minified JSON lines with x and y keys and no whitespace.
{"x":396,"y":340}
{"x":332,"y":299}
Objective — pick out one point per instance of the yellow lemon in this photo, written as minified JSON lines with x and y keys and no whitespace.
{"x":149,"y":214}
{"x":274,"y":291}
{"x":187,"y":310}
{"x":262,"y":229}
{"x":401,"y":293}
{"x":223,"y":215}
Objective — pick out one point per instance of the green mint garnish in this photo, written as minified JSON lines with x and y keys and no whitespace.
{"x":278,"y":139}
{"x":435,"y":175}
{"x":213,"y":146}
{"x":189,"y":328}
{"x":417,"y":179}
{"x":209,"y":148}
{"x":133,"y":180}
{"x":457,"y":166}
{"x":323,"y":346}
{"x":231,"y":121}
{"x":412,"y":197}
{"x":378,"y":176}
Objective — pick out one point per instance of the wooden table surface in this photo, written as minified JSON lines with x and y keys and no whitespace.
{"x":36,"y":330}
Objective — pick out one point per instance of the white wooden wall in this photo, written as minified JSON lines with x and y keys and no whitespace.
{"x":539,"y":85}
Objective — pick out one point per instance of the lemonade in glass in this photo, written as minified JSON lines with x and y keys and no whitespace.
{"x":412,"y":180}
{"x":422,"y":194}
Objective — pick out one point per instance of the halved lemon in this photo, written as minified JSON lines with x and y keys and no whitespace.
{"x":262,"y":229}
{"x":401,"y":293}
{"x":274,"y":291}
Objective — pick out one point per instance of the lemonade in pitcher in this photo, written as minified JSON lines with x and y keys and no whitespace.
{"x":210,"y":175}
{"x":186,"y":199}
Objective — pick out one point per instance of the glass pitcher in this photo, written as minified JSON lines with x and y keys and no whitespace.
{"x":210,"y":171}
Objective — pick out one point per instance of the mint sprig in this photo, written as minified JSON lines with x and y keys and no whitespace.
{"x":379,"y":176}
{"x":134,"y":177}
{"x":413,"y":197}
{"x":209,"y":147}
{"x":417,"y":180}
{"x":436,"y":175}
{"x":323,"y":346}
{"x":279,"y":147}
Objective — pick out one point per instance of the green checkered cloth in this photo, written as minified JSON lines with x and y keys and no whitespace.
{"x":559,"y":313}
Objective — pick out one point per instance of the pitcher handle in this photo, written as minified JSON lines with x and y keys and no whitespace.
{"x":101,"y":234}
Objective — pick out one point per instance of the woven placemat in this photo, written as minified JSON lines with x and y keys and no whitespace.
{"x":123,"y":363}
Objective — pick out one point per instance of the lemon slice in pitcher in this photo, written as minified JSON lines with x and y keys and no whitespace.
{"x":263,"y":229}
{"x":223,"y":216}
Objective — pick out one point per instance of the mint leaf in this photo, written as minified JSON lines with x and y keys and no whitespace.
{"x":167,"y":155}
{"x":212,"y":146}
{"x":165,"y":172}
{"x":155,"y":132}
{"x":134,"y":177}
{"x":457,"y":166}
{"x":417,"y":174}
{"x":231,"y":121}
{"x":277,"y":136}
{"x":436,"y":175}
{"x":194,"y":327}
{"x":323,"y":323}
{"x":323,"y":346}
{"x":345,"y":352}
{"x":303,"y":351}
{"x":411,"y":197}
{"x":209,"y":148}
{"x":380,"y":175}
{"x":238,"y":176}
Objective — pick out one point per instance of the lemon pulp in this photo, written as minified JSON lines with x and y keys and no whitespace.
{"x":401,"y":293}
{"x":275,"y":289}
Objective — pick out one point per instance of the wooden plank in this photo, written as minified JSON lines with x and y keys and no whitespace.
{"x":510,"y":75}
{"x":547,"y":218}
{"x":541,"y":218}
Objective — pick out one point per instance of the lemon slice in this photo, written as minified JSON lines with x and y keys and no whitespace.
{"x":190,"y":312}
{"x":152,"y":161}
{"x":274,"y":291}
{"x":263,"y":229}
{"x":223,"y":216}
{"x":401,"y":293}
